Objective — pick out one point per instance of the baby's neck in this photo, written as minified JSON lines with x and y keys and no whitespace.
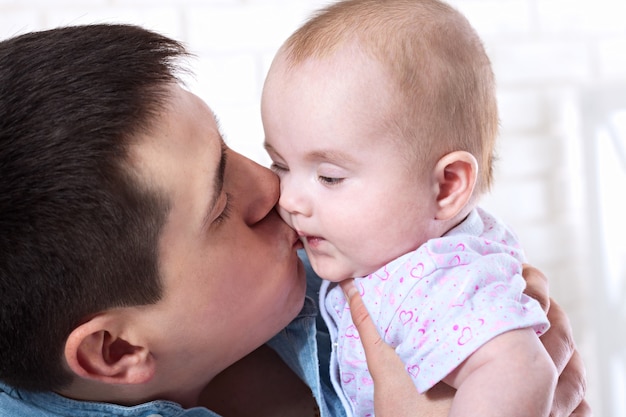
{"x":450,"y":224}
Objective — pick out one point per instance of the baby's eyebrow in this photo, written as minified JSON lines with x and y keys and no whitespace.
{"x":332,"y":155}
{"x":268,"y":147}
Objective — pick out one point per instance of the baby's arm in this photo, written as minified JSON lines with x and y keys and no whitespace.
{"x":511,"y":375}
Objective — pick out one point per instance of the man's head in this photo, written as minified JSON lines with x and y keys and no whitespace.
{"x":78,"y":233}
{"x":435,"y":66}
{"x":139,"y":256}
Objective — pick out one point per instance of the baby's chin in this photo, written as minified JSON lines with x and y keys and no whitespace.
{"x":329,"y":271}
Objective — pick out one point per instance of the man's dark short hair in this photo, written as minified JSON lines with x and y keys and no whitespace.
{"x":78,"y":232}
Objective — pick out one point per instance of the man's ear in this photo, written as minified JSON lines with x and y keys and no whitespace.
{"x":456,"y":175}
{"x":98,"y":350}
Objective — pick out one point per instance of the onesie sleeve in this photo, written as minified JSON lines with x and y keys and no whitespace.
{"x":464,"y":299}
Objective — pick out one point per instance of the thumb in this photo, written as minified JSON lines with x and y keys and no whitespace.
{"x":394,"y":392}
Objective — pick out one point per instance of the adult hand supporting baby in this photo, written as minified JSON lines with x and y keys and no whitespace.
{"x":569,"y":397}
{"x":395,"y":394}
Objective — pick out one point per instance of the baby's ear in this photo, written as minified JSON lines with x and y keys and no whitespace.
{"x":99,"y":350}
{"x":456,"y":175}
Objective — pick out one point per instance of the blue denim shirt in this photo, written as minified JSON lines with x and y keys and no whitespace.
{"x":305,"y":347}
{"x":299,"y":345}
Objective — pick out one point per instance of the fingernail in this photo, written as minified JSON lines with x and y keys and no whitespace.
{"x":349,"y":291}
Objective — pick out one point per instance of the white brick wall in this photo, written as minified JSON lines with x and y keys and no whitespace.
{"x":544,"y":53}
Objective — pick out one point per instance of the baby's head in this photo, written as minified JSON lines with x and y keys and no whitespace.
{"x":392,"y":89}
{"x":437,"y":69}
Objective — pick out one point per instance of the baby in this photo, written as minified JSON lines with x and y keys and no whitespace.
{"x":380,"y":119}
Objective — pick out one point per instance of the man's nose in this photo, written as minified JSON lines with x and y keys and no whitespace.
{"x":257,"y":186}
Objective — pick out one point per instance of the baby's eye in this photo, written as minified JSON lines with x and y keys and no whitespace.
{"x":278,"y":168}
{"x":330,"y":180}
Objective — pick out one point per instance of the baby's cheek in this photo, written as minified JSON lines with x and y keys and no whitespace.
{"x":284,"y":214}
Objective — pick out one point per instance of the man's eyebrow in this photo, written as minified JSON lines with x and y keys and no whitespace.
{"x":218,"y":182}
{"x":219,"y":172}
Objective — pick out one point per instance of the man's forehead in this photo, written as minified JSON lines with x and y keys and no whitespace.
{"x":185,"y":135}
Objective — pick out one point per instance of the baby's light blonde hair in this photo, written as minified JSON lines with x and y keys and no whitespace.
{"x":436,"y":61}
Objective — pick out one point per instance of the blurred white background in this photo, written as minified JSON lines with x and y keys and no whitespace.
{"x":561,"y":71}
